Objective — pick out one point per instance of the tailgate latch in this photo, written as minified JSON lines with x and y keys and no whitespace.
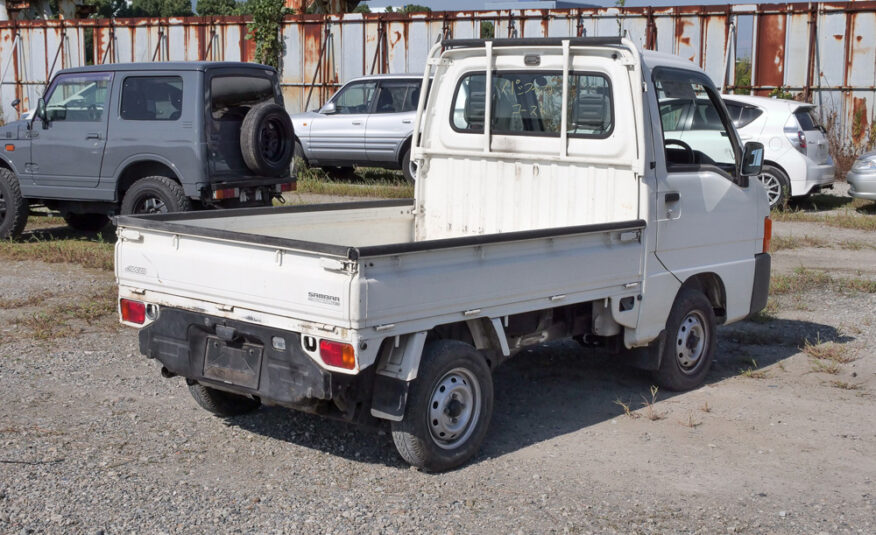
{"x":333,"y":264}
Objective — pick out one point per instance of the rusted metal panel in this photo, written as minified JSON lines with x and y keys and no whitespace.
{"x":769,"y":70}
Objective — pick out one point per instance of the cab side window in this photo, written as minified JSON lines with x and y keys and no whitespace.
{"x":694,"y":132}
{"x":78,"y":97}
{"x":152,"y":98}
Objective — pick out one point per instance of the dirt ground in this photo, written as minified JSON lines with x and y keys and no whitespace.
{"x":781,"y":439}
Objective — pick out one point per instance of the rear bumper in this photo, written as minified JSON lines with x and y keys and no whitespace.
{"x":288,"y":376}
{"x":818,"y":175}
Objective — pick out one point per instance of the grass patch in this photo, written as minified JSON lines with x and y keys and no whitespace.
{"x":832,"y":351}
{"x":691,"y":421}
{"x":780,"y":243}
{"x":25,"y":301}
{"x":35,"y":222}
{"x":803,"y":279}
{"x":54,"y":322}
{"x":650,"y":412}
{"x":369,"y":182}
{"x":846,"y":218}
{"x":824,"y":366}
{"x":843,"y":385}
{"x":751,"y":371}
{"x":626,"y":407}
{"x":88,"y":253}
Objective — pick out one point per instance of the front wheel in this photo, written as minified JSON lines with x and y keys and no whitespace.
{"x":13,"y":208}
{"x":155,"y":195}
{"x":690,"y":342}
{"x":449,"y":408}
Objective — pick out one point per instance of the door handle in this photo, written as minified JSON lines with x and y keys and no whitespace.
{"x":672,"y":197}
{"x":92,"y":135}
{"x":406,"y":121}
{"x":357,"y":123}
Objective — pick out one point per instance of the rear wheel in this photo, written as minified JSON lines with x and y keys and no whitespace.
{"x":86,"y":222}
{"x":13,"y":207}
{"x":690,"y":342}
{"x":222,"y":403}
{"x":449,"y":407}
{"x":777,"y":185}
{"x":155,"y":195}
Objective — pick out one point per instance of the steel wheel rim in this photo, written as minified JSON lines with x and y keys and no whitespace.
{"x":691,"y":341}
{"x":412,"y":169}
{"x":454,"y":408}
{"x":272,"y":149}
{"x":773,"y":187}
{"x":151,"y":205}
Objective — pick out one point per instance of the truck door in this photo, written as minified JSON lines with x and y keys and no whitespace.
{"x":66,"y":149}
{"x":704,"y":217}
{"x":393,"y":119}
{"x":340,"y":136}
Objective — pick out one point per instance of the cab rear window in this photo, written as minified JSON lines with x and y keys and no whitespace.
{"x":530,"y":103}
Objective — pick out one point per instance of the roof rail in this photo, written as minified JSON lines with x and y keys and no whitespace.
{"x":532,"y":41}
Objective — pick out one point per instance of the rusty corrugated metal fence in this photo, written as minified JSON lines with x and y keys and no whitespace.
{"x":826,"y":51}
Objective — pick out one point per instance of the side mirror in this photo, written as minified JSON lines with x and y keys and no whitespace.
{"x":41,"y":113}
{"x":15,"y":103}
{"x":329,"y":108}
{"x":752,"y":159}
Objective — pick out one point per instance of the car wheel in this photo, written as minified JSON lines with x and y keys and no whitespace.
{"x":13,"y":208}
{"x":690,"y":342}
{"x":267,"y":140}
{"x":86,"y":222}
{"x":448,"y":409}
{"x":409,"y":168}
{"x":222,"y":403}
{"x":777,"y":185}
{"x":155,"y":195}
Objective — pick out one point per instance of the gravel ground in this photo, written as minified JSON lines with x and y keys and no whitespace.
{"x":95,"y":441}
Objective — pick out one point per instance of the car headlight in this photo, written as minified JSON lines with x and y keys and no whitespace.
{"x":864,"y":165}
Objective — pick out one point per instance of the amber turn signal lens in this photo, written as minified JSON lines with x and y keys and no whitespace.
{"x":767,"y":233}
{"x":337,"y":354}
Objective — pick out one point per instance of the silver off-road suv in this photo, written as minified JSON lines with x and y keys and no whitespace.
{"x":144,"y":138}
{"x":368,"y":122}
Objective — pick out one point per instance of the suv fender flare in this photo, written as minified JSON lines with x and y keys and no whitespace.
{"x":6,"y":162}
{"x":146,"y":158}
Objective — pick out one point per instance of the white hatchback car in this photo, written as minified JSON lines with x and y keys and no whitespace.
{"x":796,"y":159}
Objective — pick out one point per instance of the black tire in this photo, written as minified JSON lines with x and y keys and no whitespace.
{"x":86,"y":222}
{"x":155,"y":195}
{"x":690,"y":342}
{"x":13,"y":208}
{"x":453,"y":383}
{"x":298,"y":160}
{"x":222,"y":403}
{"x":777,"y":185}
{"x":267,"y":140}
{"x":408,"y":170}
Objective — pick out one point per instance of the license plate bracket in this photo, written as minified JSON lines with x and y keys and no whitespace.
{"x":239,"y":366}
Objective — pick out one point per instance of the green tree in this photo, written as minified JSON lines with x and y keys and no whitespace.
{"x":107,"y":9}
{"x":488,"y":30}
{"x":743,"y":76}
{"x":413,"y":8}
{"x":362,"y":8}
{"x":208,"y":8}
{"x":265,"y":30}
{"x":160,"y":8}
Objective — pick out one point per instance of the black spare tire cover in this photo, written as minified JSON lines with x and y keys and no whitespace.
{"x":267,"y":140}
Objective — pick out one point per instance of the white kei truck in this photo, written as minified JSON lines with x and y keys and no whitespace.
{"x":554,"y":208}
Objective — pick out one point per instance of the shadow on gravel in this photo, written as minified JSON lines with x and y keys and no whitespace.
{"x":548,"y":391}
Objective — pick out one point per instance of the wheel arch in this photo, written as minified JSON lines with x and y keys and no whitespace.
{"x":405,"y":144}
{"x":139,"y":167}
{"x":712,"y":286}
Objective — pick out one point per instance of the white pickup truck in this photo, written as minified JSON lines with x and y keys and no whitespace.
{"x":555,"y":208}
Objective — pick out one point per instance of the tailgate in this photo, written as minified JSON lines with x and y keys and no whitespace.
{"x":248,"y":276}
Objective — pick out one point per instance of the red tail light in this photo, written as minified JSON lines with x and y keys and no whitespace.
{"x":801,"y":137}
{"x":292,"y":186}
{"x":133,"y":311}
{"x":337,"y":354}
